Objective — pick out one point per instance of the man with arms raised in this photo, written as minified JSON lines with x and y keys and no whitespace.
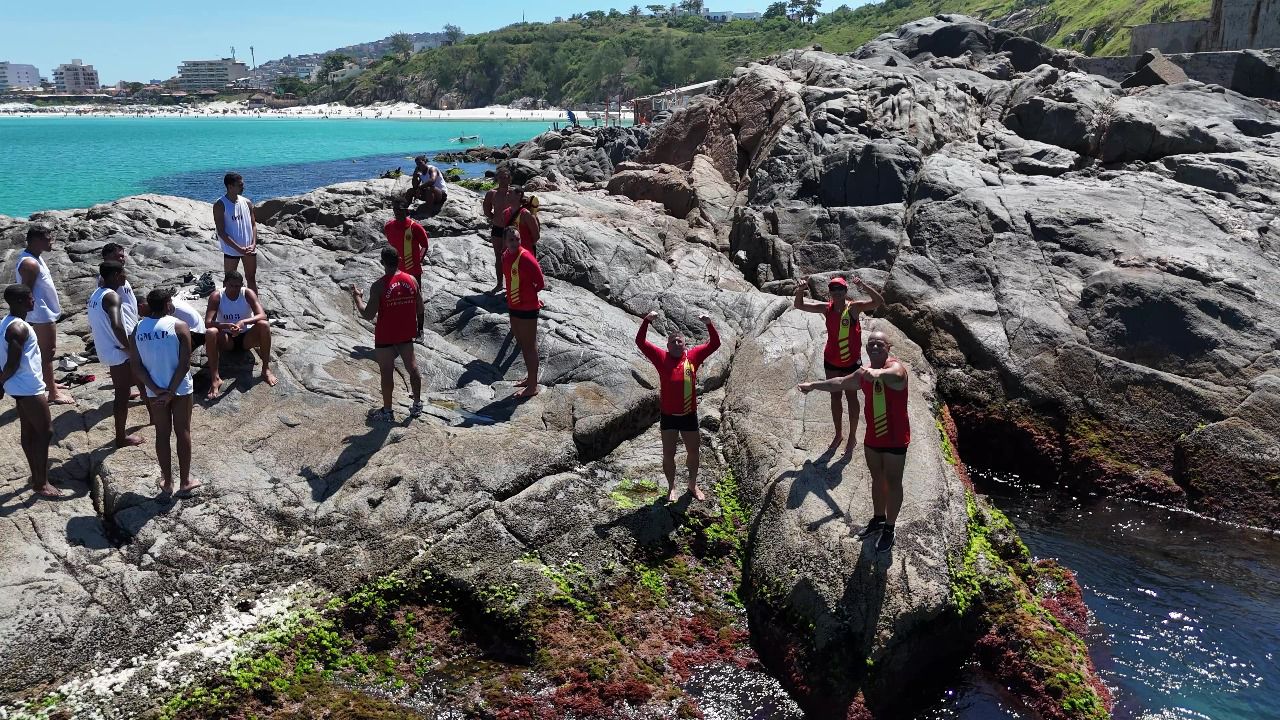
{"x":396,"y":303}
{"x":111,"y":320}
{"x":237,"y":229}
{"x":884,"y":395}
{"x":20,"y":376}
{"x":842,"y":354}
{"x":678,"y":394}
{"x":235,"y":320}
{"x":160,"y":350}
{"x":43,"y":317}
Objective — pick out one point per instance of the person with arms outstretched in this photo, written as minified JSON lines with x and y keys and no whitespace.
{"x":678,"y":397}
{"x":888,"y":433}
{"x":842,"y":354}
{"x":22,"y":378}
{"x":160,"y":350}
{"x":395,"y":301}
{"x":524,"y":280}
{"x":237,"y":229}
{"x":409,"y":239}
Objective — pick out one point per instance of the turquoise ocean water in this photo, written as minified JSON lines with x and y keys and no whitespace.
{"x":50,"y":163}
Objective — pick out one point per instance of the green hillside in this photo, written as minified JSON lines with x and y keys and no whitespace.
{"x":598,"y":55}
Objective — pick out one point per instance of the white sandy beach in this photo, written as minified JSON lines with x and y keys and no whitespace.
{"x":385,"y":111}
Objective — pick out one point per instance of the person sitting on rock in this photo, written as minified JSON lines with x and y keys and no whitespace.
{"x":160,"y":350}
{"x":396,"y":303}
{"x":21,"y":376}
{"x":32,"y":271}
{"x":409,"y":239}
{"x":678,"y":395}
{"x":495,"y":205}
{"x":428,"y":186}
{"x":842,"y":354}
{"x":888,"y":433}
{"x":111,"y":320}
{"x":237,"y":229}
{"x":235,"y":320}
{"x":524,"y":281}
{"x":523,"y":216}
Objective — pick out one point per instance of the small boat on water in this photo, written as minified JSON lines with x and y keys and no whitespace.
{"x":464,"y":139}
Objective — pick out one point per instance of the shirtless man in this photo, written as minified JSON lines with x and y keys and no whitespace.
{"x":524,"y":281}
{"x":237,"y":229}
{"x":111,"y":320}
{"x":428,"y":186}
{"x":842,"y":355}
{"x":678,"y":394}
{"x":160,"y":350}
{"x":43,"y":318}
{"x":235,"y":320}
{"x":522,"y":215}
{"x":20,"y":376}
{"x":884,"y":393}
{"x":396,"y":303}
{"x":495,"y":204}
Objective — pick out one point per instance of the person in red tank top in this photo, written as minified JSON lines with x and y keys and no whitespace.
{"x":524,"y":280}
{"x":842,"y":354}
{"x":884,"y":392}
{"x":408,"y":238}
{"x":522,"y":218}
{"x":396,"y":303}
{"x":678,"y":397}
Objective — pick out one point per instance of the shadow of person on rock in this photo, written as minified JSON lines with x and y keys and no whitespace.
{"x":864,"y":592}
{"x":651,"y":526}
{"x":482,"y":372}
{"x":811,"y":479}
{"x":236,"y":369}
{"x":87,"y":531}
{"x":129,"y":513}
{"x":356,"y":454}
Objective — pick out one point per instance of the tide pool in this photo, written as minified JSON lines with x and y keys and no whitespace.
{"x":52,"y":163}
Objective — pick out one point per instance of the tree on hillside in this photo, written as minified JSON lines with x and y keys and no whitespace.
{"x":452,"y":34}
{"x":595,"y":17}
{"x":292,"y":85}
{"x":634,"y":12}
{"x":693,"y":7}
{"x":657,"y":10}
{"x":809,"y":9}
{"x":776,"y":10}
{"x":334,"y":61}
{"x":401,"y":45}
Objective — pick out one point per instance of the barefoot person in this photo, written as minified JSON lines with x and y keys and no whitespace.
{"x":111,"y":320}
{"x":43,"y":318}
{"x":495,"y":204}
{"x":235,"y":320}
{"x":396,"y":303}
{"x":524,"y":281}
{"x":428,"y":186}
{"x":884,"y":394}
{"x":21,"y":377}
{"x":160,"y":350}
{"x":115,"y":252}
{"x":842,"y":354}
{"x":237,"y":229}
{"x":678,"y":393}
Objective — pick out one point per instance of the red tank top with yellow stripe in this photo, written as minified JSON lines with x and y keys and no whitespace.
{"x":884,"y":414}
{"x":844,"y":336}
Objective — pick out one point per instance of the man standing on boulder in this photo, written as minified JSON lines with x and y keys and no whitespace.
{"x":495,"y":205}
{"x":43,"y":318}
{"x":237,"y":229}
{"x":160,"y":350}
{"x":111,"y":320}
{"x":409,"y":240}
{"x":396,"y":303}
{"x":678,"y":395}
{"x":235,"y":320}
{"x":842,"y":355}
{"x":20,"y":376}
{"x":884,"y":394}
{"x":524,"y":281}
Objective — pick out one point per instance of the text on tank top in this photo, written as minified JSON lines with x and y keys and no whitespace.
{"x":233,"y":311}
{"x":158,"y":347}
{"x":100,"y":319}
{"x":397,"y":310}
{"x":28,"y":379}
{"x":844,"y":335}
{"x":237,"y":220}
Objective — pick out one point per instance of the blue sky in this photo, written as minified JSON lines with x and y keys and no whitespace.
{"x":146,"y":39}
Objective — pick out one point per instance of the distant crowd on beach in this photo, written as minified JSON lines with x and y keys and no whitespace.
{"x":215,"y":109}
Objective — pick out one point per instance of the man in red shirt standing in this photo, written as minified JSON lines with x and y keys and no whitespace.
{"x":396,"y":303}
{"x":409,"y":240}
{"x":884,"y":394}
{"x":678,"y":394}
{"x":524,"y":280}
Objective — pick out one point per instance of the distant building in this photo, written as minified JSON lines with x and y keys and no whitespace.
{"x":210,"y":74}
{"x":347,"y":72}
{"x":15,"y":76}
{"x":1231,"y":25}
{"x":75,"y":78}
{"x":644,"y":108}
{"x":724,"y":16}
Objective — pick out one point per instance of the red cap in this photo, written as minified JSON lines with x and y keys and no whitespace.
{"x":837,"y":281}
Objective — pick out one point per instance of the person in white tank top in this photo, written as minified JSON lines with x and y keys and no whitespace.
{"x":235,"y":320}
{"x":237,"y":229}
{"x":32,"y":271}
{"x":160,"y":351}
{"x":114,"y":252}
{"x":187,"y":313}
{"x":111,"y":322}
{"x":20,"y":376}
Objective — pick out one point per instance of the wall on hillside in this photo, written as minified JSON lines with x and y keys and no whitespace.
{"x":1250,"y":72}
{"x":1186,"y":36}
{"x":1240,"y":24}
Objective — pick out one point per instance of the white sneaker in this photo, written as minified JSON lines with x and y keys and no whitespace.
{"x":67,"y":363}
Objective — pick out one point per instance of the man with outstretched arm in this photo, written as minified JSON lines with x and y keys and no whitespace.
{"x":409,"y":239}
{"x":884,"y":394}
{"x":160,"y":350}
{"x":32,"y":271}
{"x":21,"y":377}
{"x":678,"y":394}
{"x":842,"y":354}
{"x":396,"y":303}
{"x":237,"y":229}
{"x":111,"y":319}
{"x":235,"y":320}
{"x":524,"y":281}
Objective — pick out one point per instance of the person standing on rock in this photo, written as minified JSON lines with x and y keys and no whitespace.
{"x":884,"y":394}
{"x":160,"y":350}
{"x":678,"y":397}
{"x":842,"y":354}
{"x":115,"y":252}
{"x":524,"y":281}
{"x":235,"y":320}
{"x":395,"y":301}
{"x":32,"y":271}
{"x":21,"y":377}
{"x":523,"y":216}
{"x":111,"y":320}
{"x":495,"y":205}
{"x":237,"y":229}
{"x":409,"y":239}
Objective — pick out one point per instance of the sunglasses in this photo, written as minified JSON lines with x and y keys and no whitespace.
{"x":837,"y":288}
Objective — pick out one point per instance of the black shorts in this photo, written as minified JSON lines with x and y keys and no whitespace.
{"x":684,"y":423}
{"x":232,"y":257}
{"x":890,"y":450}
{"x":237,"y":342}
{"x":524,"y":314}
{"x":197,"y":340}
{"x":837,"y":371}
{"x":384,"y":346}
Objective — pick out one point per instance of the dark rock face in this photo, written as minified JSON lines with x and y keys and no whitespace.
{"x":576,"y":156}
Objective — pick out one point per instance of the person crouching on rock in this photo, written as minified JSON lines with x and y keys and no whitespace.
{"x":160,"y":350}
{"x":842,"y":354}
{"x":235,"y":320}
{"x":678,"y":397}
{"x":884,"y":396}
{"x":21,"y":375}
{"x":396,"y":303}
{"x":524,"y":281}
